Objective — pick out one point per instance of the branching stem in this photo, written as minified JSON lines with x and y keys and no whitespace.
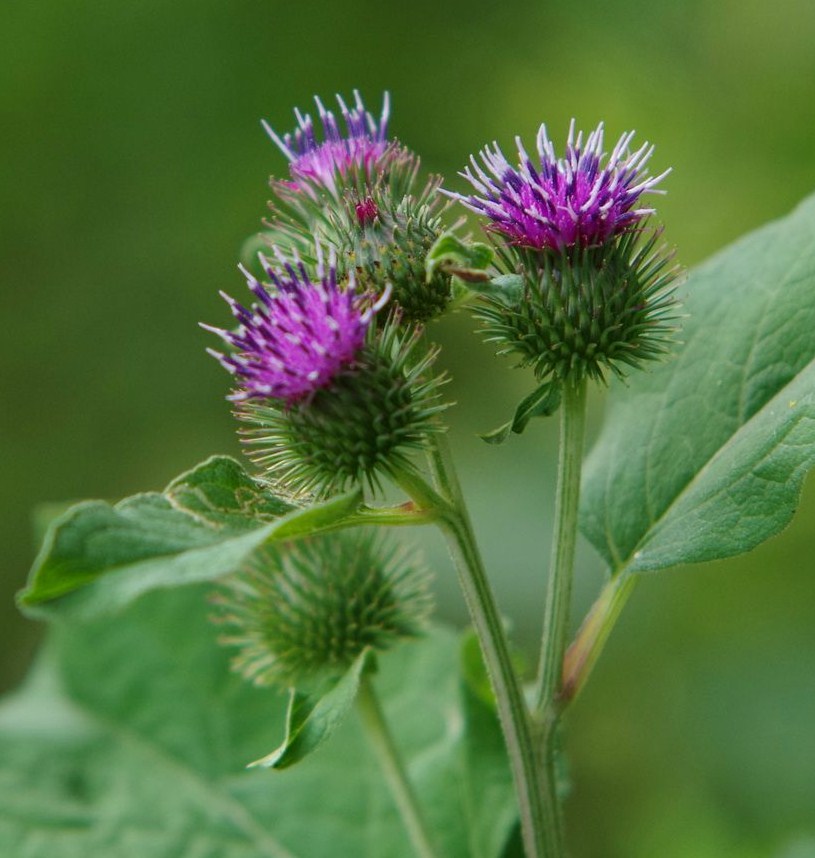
{"x":537,"y":803}
{"x":584,"y":651}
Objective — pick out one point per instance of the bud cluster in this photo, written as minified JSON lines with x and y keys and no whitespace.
{"x":359,"y":194}
{"x":333,"y":374}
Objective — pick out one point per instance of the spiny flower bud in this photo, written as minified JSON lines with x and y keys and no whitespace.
{"x":391,"y":249}
{"x":297,"y":339}
{"x":367,"y":212}
{"x":302,"y":612}
{"x":553,"y":203}
{"x":578,"y":315}
{"x":364,"y":424}
{"x":358,"y":195}
{"x":326,"y":162}
{"x":596,"y":292}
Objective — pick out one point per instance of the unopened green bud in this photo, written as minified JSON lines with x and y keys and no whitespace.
{"x":301,"y":612}
{"x":389,"y":244}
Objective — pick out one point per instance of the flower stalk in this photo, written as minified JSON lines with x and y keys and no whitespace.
{"x":381,"y":741}
{"x":536,"y":797}
{"x":561,"y":574}
{"x":559,"y":590}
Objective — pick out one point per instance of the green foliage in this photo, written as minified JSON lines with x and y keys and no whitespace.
{"x":542,"y":402}
{"x":97,"y":557}
{"x":132,"y":738}
{"x":704,"y":457}
{"x":310,"y":721}
{"x":485,"y":774}
{"x":467,"y":260}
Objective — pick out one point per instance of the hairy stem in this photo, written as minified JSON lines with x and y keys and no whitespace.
{"x":383,"y":745}
{"x":537,"y":803}
{"x":559,"y":587}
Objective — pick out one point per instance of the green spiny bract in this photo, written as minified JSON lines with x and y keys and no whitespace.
{"x":391,"y":246}
{"x":301,"y":612}
{"x":365,"y":424}
{"x":378,"y":226}
{"x":582,"y":312}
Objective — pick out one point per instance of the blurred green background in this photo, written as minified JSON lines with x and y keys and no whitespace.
{"x":132,"y":168}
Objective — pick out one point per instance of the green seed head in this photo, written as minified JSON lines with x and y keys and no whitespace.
{"x":301,"y":612}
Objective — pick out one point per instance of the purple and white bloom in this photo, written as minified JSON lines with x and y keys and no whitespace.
{"x":296,"y":339}
{"x":362,"y":145}
{"x":558,"y":203}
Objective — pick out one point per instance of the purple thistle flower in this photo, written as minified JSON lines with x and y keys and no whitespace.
{"x":560,"y":203}
{"x":296,"y":340}
{"x":363,"y":144}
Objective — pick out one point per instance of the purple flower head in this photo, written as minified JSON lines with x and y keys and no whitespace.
{"x":296,"y":340}
{"x":362,"y":145}
{"x":560,"y":203}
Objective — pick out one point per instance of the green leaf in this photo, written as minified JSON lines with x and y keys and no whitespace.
{"x":310,"y":721}
{"x":132,"y":739}
{"x":467,"y":260}
{"x":704,"y":457}
{"x":542,"y":402}
{"x":507,"y":288}
{"x":97,"y":557}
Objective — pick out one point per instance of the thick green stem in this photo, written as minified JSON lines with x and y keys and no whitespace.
{"x":537,"y":803}
{"x":593,"y":634}
{"x":561,"y":573}
{"x":382,"y":743}
{"x":559,"y":588}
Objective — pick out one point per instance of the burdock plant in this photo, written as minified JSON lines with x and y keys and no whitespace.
{"x":340,"y":410}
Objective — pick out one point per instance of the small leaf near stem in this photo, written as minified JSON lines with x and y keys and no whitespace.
{"x":542,"y":402}
{"x":559,"y":588}
{"x":466,"y":259}
{"x":310,"y":721}
{"x":379,"y":736}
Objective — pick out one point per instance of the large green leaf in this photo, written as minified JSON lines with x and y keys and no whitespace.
{"x":704,"y":457}
{"x":97,"y":557}
{"x":133,"y":736}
